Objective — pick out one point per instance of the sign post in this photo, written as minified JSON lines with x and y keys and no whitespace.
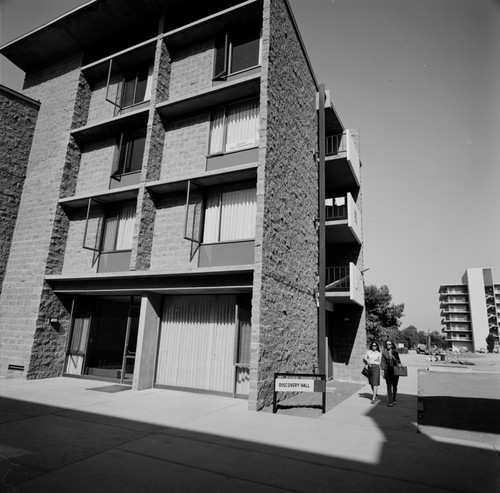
{"x":299,"y":382}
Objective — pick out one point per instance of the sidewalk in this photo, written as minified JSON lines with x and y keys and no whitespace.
{"x":59,"y":435}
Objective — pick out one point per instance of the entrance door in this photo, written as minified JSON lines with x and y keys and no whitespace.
{"x":128,"y":362}
{"x":104,"y":338}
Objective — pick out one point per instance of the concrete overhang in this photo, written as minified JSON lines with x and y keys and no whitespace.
{"x":104,"y":26}
{"x":219,"y":177}
{"x":193,"y":281}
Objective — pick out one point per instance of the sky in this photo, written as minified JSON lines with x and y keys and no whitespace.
{"x":421,"y":82}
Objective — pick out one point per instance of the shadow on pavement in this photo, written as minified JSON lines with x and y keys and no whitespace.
{"x":461,"y":413}
{"x":51,"y":449}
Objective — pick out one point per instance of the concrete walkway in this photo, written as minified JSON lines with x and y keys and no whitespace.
{"x":59,"y":435}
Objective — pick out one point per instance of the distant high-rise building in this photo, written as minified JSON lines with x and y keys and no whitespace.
{"x":470,"y":310}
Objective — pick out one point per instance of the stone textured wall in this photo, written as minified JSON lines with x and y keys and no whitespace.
{"x":170,"y":249}
{"x":284,"y":312}
{"x":99,"y":108}
{"x":95,"y":167}
{"x":39,"y":235}
{"x":17,"y":125}
{"x":186,"y":144}
{"x":192,"y":70}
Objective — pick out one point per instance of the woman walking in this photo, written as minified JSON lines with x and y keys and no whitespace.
{"x":390,"y":359}
{"x":372,"y":360}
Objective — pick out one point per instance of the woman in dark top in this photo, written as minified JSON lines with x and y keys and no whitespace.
{"x":390,"y":359}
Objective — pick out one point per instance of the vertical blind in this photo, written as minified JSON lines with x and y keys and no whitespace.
{"x":230,"y":215}
{"x":235,"y":127}
{"x":119,"y":229}
{"x":197,"y":342}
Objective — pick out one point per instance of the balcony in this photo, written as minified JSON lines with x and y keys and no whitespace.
{"x":343,"y":221}
{"x":344,"y":285}
{"x":453,"y":318}
{"x":342,"y":167}
{"x":457,"y":328}
{"x":445,"y":309}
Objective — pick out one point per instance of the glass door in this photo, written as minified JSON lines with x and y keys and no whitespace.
{"x":104,"y":338}
{"x":128,"y":362}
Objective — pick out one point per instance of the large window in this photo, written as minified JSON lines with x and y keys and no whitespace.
{"x":237,"y":50}
{"x":129,"y":153}
{"x":234,"y":127}
{"x":136,"y":86}
{"x":118,"y":228}
{"x":229,"y":214}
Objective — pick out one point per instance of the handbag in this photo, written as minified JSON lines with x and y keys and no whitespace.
{"x":400,"y":371}
{"x":365,"y":372}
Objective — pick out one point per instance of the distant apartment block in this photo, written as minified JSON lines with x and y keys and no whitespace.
{"x":470,"y":310}
{"x":191,"y":216}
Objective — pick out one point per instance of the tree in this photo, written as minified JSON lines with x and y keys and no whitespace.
{"x":382,"y":316}
{"x":437,"y":339}
{"x":490,"y":342}
{"x":410,"y":336}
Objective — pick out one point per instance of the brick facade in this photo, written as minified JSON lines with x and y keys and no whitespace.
{"x":67,"y":163}
{"x":284,"y":312}
{"x":17,"y":125}
{"x":24,"y":309}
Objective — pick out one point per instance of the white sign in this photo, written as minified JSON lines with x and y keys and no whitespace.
{"x":294,"y":385}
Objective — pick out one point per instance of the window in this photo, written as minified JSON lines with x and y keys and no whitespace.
{"x":130,"y":152}
{"x":136,"y":86}
{"x":229,"y":214}
{"x":118,"y":228}
{"x":237,"y":51}
{"x":234,"y":127}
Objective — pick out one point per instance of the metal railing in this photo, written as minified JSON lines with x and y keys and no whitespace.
{"x":337,"y":278}
{"x":335,"y":144}
{"x":336,"y":211}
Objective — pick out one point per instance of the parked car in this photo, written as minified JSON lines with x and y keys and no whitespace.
{"x":422,"y":349}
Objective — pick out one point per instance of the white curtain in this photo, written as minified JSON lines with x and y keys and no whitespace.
{"x":74,"y":360}
{"x":212,"y":218}
{"x":197,"y":342}
{"x":125,"y":228}
{"x":238,"y":215}
{"x":217,"y":132}
{"x":147,"y":95}
{"x":230,"y":215}
{"x":242,"y":126}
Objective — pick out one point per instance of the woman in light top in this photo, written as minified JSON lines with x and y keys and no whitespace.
{"x":372,"y":360}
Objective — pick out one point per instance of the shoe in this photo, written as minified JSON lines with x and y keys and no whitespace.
{"x":394,"y":401}
{"x":390,"y":405}
{"x":373,"y":401}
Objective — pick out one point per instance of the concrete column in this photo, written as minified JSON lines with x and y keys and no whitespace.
{"x":147,"y":341}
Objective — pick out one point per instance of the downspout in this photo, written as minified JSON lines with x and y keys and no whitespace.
{"x":321,"y":233}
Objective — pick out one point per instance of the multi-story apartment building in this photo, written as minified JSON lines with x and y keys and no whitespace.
{"x":470,"y":310}
{"x":191,"y":215}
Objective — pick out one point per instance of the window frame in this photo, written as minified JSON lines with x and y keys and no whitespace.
{"x":225,"y":118}
{"x":134,"y":71}
{"x":124,"y":152}
{"x":197,"y":234}
{"x":223,"y":51}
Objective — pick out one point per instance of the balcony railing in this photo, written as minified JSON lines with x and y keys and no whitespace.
{"x":345,"y":210}
{"x":338,"y":278}
{"x":335,"y":144}
{"x":344,"y":284}
{"x":336,"y":209}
